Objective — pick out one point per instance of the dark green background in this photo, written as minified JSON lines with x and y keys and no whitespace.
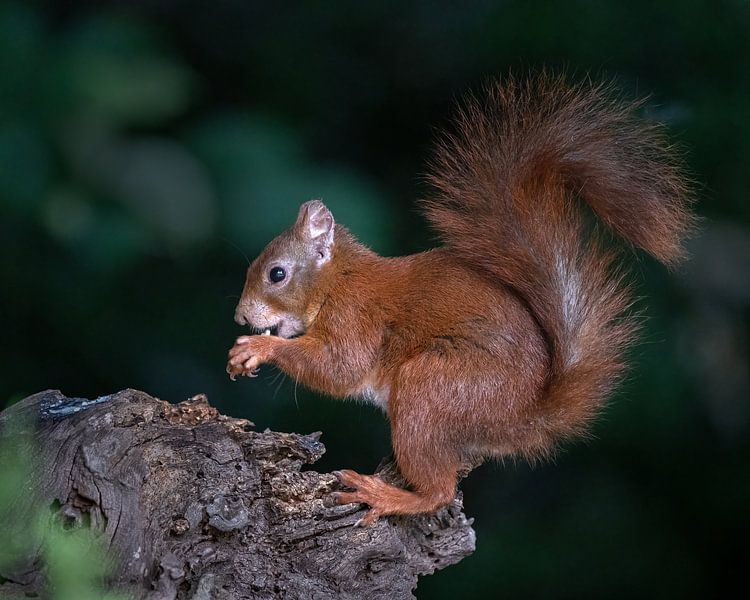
{"x":145,"y":145}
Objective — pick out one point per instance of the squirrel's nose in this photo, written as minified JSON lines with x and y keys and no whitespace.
{"x":239,"y":318}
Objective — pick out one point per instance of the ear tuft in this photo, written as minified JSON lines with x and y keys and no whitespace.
{"x":315,"y":222}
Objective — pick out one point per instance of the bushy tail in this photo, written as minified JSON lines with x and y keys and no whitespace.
{"x":505,"y":183}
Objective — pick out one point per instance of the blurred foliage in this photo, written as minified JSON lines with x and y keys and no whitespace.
{"x":145,"y":146}
{"x":74,"y":561}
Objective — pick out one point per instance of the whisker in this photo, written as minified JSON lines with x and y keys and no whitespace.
{"x":270,"y":375}
{"x":273,"y":379}
{"x":236,"y":247}
{"x":278,"y":387}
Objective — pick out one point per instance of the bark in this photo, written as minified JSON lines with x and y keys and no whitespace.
{"x":194,"y":504}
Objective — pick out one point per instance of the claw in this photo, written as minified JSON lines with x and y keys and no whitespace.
{"x":348,"y":478}
{"x":371,"y":516}
{"x":346,"y":498}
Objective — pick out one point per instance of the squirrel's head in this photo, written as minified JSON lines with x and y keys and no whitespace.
{"x":281,"y":284}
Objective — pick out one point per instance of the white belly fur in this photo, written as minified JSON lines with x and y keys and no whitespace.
{"x":376,"y":396}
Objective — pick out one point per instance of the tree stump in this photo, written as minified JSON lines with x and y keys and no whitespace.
{"x":194,"y":504}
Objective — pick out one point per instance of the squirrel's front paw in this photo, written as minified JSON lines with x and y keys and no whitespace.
{"x":248,"y":353}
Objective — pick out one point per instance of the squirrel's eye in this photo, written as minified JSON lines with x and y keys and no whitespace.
{"x":276,"y":274}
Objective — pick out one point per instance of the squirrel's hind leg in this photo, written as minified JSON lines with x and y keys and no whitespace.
{"x":426,"y":457}
{"x":386,"y":499}
{"x":438,"y":423}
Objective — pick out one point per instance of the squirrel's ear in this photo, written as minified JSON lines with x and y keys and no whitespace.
{"x":315,"y":222}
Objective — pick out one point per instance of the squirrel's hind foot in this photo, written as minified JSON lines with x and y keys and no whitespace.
{"x":384,"y":498}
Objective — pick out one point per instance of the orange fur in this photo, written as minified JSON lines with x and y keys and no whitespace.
{"x":508,"y":337}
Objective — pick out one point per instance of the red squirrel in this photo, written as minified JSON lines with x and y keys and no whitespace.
{"x":509,"y":336}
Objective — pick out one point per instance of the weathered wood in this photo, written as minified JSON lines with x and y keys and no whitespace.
{"x":193,"y":504}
